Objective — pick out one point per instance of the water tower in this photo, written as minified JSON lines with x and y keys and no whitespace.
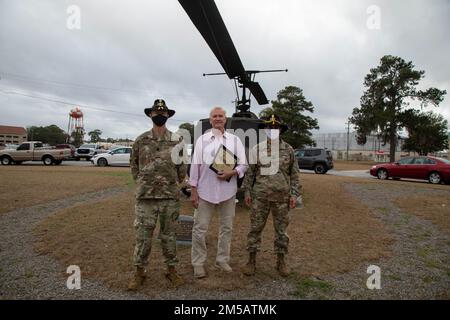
{"x":75,"y":124}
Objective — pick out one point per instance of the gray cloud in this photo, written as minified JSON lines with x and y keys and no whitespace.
{"x":129,"y":53}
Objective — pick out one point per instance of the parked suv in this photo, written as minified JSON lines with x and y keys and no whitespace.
{"x":319,"y":160}
{"x":87,"y":151}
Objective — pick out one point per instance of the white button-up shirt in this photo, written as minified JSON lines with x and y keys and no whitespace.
{"x":209,"y":187}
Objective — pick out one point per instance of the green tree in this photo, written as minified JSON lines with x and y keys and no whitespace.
{"x":76,"y":138}
{"x":389,"y":88}
{"x":50,"y":134}
{"x":290,"y":106}
{"x":427,"y":132}
{"x":95,"y":135}
{"x":189,"y":127}
{"x":266,"y":112}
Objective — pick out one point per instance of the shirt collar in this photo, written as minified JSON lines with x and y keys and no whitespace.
{"x":210,"y":135}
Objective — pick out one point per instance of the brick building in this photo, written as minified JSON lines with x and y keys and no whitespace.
{"x":9,"y":134}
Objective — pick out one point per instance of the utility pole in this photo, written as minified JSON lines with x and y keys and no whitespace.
{"x":348,"y":137}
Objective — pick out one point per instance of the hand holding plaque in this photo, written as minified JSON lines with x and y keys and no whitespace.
{"x":224,"y":161}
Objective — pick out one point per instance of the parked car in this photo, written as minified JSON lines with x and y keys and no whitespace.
{"x":67,"y":146}
{"x":115,"y":157}
{"x":435,"y":170}
{"x":33,"y":151}
{"x":87,"y":151}
{"x":317,"y":159}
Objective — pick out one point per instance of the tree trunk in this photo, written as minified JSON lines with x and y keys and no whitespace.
{"x":392,"y":143}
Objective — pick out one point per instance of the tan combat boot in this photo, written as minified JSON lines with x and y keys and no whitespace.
{"x":138,"y":279}
{"x":175,"y":279}
{"x":250,"y":268}
{"x":282,"y":266}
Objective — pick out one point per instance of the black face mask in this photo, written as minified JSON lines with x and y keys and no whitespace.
{"x":159,"y":120}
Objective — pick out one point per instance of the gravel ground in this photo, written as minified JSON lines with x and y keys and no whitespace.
{"x":418,"y":268}
{"x":419,"y":265}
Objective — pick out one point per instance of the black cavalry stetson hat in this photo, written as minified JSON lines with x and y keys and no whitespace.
{"x":273,"y":122}
{"x":160,"y":106}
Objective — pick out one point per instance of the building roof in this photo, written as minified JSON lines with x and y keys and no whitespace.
{"x":13,"y":130}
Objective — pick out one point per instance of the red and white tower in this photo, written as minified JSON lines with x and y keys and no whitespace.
{"x":75,"y":124}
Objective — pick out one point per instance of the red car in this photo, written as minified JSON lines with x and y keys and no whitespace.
{"x":435,"y":170}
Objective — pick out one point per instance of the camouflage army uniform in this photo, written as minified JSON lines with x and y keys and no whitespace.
{"x":157,"y":194}
{"x":271,"y":193}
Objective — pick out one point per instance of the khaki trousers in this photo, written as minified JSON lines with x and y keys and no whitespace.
{"x":202,"y":217}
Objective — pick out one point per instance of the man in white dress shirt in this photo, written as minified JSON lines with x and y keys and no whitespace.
{"x":212,"y":191}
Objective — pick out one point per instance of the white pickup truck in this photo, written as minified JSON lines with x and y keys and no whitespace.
{"x":87,"y":151}
{"x":33,"y":151}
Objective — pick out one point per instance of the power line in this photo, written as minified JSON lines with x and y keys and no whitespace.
{"x":85,"y":86}
{"x":79,"y":105}
{"x":70,"y":84}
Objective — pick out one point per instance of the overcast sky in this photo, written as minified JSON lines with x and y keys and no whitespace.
{"x":128,"y":53}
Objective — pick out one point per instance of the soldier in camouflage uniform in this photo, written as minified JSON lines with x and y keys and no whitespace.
{"x":157,"y":194}
{"x":276,"y":191}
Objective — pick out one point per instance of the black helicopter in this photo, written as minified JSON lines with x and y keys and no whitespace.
{"x":207,"y":19}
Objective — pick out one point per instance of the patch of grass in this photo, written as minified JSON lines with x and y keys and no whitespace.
{"x":448,"y":273}
{"x":406,"y":218}
{"x":394,"y":277}
{"x":423,"y":252}
{"x":433,"y":264}
{"x":429,"y":279}
{"x":125,"y":175}
{"x":25,"y":186}
{"x":420,"y":237}
{"x":383,"y":210}
{"x":28,"y":274}
{"x":431,"y":207}
{"x":426,"y":235}
{"x":352,"y":165}
{"x":307,"y":286}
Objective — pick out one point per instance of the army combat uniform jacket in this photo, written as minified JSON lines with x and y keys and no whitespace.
{"x":278,"y":187}
{"x":156,"y":165}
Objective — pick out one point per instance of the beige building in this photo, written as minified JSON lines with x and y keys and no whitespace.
{"x":15,"y":135}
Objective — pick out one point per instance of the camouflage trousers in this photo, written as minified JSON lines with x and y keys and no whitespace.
{"x":260,"y":210}
{"x":147,"y":212}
